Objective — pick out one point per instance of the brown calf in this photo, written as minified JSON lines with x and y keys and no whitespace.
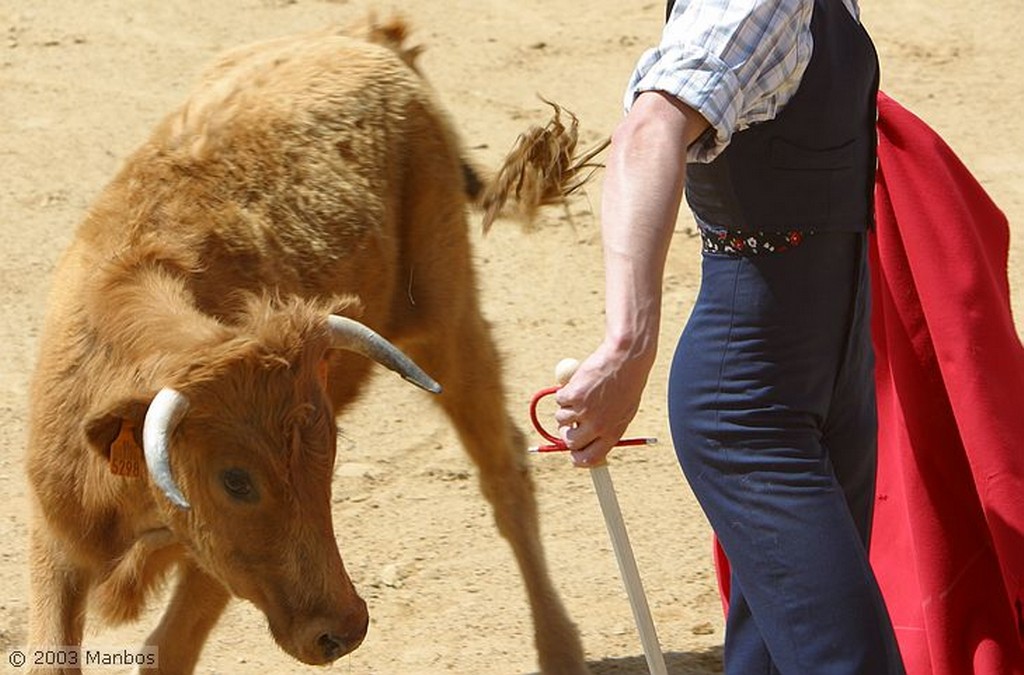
{"x":213,"y":316}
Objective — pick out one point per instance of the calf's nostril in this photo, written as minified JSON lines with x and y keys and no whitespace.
{"x":336,"y":639}
{"x":331,"y":646}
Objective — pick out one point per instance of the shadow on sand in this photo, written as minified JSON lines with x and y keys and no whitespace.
{"x":707,"y":662}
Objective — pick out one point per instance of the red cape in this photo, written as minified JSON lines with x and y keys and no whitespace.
{"x":948,"y":538}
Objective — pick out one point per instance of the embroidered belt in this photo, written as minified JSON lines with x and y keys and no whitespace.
{"x":749,"y":242}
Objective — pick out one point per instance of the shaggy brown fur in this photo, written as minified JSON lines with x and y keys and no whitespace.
{"x":304,"y":176}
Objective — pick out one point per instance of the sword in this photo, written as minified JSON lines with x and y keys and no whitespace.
{"x":606,"y":496}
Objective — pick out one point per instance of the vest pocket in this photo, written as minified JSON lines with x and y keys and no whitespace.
{"x":784,"y":154}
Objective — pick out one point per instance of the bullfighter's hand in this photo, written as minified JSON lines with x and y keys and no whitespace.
{"x":598,"y":403}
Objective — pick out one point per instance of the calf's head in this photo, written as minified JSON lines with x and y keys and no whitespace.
{"x":241,"y":463}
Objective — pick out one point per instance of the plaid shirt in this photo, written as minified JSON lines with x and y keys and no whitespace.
{"x":737,"y":62}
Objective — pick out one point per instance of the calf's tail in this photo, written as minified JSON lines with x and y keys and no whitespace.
{"x":543,"y":168}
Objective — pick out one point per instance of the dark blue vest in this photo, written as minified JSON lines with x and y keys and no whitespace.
{"x":813,"y":166}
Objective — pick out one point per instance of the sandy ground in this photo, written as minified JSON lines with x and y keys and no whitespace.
{"x":81,"y":84}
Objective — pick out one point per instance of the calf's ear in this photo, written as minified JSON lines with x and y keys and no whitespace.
{"x":121,"y":420}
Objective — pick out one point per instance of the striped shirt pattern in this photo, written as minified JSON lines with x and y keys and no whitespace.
{"x":737,"y":62}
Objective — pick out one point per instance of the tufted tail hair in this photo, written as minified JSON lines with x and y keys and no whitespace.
{"x":543,"y":168}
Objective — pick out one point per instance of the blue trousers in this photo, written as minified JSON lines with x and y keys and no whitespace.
{"x":772,"y":410}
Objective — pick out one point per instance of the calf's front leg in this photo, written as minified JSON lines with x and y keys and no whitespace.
{"x":57,"y":610}
{"x":196,"y":605}
{"x":465,"y":361}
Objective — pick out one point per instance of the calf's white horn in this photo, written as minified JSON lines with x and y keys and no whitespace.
{"x":355,"y":337}
{"x":164,"y":414}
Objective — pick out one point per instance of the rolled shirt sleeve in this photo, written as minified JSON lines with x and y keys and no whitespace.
{"x":736,"y":62}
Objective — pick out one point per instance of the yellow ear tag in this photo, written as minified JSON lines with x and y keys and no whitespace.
{"x":125,"y":453}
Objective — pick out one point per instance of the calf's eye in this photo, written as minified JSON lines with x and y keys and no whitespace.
{"x":238,"y":485}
